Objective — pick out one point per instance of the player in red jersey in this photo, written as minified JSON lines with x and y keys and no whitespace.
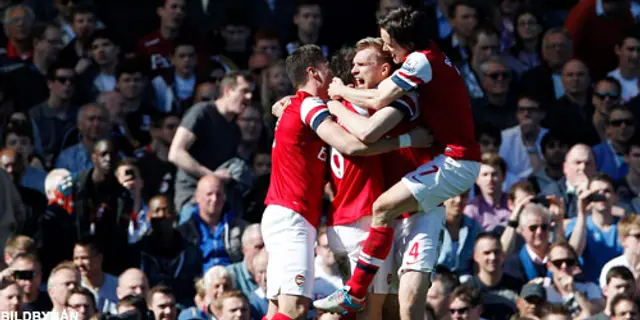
{"x":445,"y":109}
{"x":297,"y":181}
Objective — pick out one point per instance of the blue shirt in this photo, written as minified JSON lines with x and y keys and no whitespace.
{"x":600,"y":247}
{"x":458,"y":258}
{"x":609,"y":162}
{"x":34,"y":178}
{"x":75,"y":158}
{"x":212,"y":243}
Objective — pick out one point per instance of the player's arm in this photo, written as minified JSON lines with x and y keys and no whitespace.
{"x":415,"y":70}
{"x":371,"y":129}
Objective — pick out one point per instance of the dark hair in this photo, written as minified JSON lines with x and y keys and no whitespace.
{"x":448,"y":280}
{"x":230,"y":79}
{"x":161,"y":288}
{"x":519,"y":43}
{"x":306,"y":56}
{"x":487,"y":129}
{"x":467,"y":294}
{"x":101,"y":34}
{"x":551,"y":136}
{"x":612,"y":80}
{"x":481,"y":28}
{"x":602,"y":177}
{"x":486,"y":235}
{"x":524,"y":185}
{"x":129,"y":66}
{"x":620,"y":298}
{"x":82,"y":291}
{"x":307,"y":3}
{"x":621,"y":272}
{"x":158,"y":118}
{"x":451,"y":11}
{"x":631,"y":33}
{"x":21,"y":129}
{"x":341,"y":64}
{"x":556,"y":309}
{"x":40,"y":28}
{"x":265,"y":34}
{"x":406,"y":26}
{"x":89,"y":242}
{"x":182,"y":42}
{"x":53,"y":69}
{"x":633,"y":142}
{"x":565,"y":245}
{"x":81,"y":8}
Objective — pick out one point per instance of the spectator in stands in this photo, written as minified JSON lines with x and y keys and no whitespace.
{"x":482,"y":44}
{"x":153,"y":159}
{"x":165,"y":245}
{"x":618,"y":281}
{"x":557,"y":312}
{"x":463,"y":16}
{"x":579,"y":165}
{"x":212,"y":227}
{"x":27,"y":272}
{"x":460,"y":233}
{"x":275,"y":86}
{"x":17,"y":245}
{"x":489,"y":138}
{"x":63,"y":278}
{"x":88,"y":259}
{"x":625,"y":307}
{"x":20,"y":135}
{"x":497,"y":108}
{"x":93,"y":125}
{"x":10,"y":297}
{"x":104,"y":208}
{"x":554,"y":148}
{"x":610,"y":153}
{"x":267,"y":41}
{"x":34,"y":201}
{"x":128,"y":176}
{"x":29,"y":79}
{"x":525,"y":53}
{"x":206,"y":91}
{"x":499,"y":289}
{"x":606,"y":95}
{"x":52,"y":181}
{"x":595,"y":235}
{"x":258,"y":62}
{"x":77,"y":52}
{"x":545,"y":79}
{"x":132,"y":282}
{"x":81,"y":301}
{"x":629,"y":234}
{"x":467,"y":303}
{"x":258,"y":299}
{"x":232,"y":305}
{"x":56,"y":116}
{"x":531,"y":300}
{"x":208,"y":289}
{"x":208,"y":136}
{"x":155,"y":48}
{"x":628,"y":65}
{"x":489,"y":208}
{"x":596,"y":27}
{"x":242,"y":272}
{"x":580,"y":298}
{"x":18,"y":21}
{"x":520,"y":146}
{"x":101,"y":75}
{"x":439,"y":294}
{"x":175,"y":87}
{"x":308,"y":22}
{"x":162,"y":302}
{"x":11,"y":206}
{"x":327,"y":272}
{"x":575,"y":105}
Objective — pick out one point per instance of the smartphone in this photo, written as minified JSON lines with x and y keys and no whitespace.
{"x":130,"y":172}
{"x":596,"y":197}
{"x":542,"y":200}
{"x":24,"y":274}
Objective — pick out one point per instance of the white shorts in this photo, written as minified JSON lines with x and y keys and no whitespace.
{"x":290,"y":241}
{"x":440,"y":179}
{"x":418,"y":240}
{"x":346,"y":242}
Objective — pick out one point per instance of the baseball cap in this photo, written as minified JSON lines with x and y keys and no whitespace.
{"x":531,"y":290}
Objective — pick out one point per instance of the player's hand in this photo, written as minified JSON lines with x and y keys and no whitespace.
{"x":278,"y":108}
{"x":421,"y":137}
{"x":583,"y":193}
{"x":335,"y":88}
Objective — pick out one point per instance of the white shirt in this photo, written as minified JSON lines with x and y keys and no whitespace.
{"x":629,"y":87}
{"x":515,"y":154}
{"x":106,"y":297}
{"x":105,"y":82}
{"x":620,"y":261}
{"x":534,"y":257}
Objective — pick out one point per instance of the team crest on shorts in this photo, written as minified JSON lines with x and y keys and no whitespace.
{"x":299,"y":280}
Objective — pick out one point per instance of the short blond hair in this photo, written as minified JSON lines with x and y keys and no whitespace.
{"x":627,"y":224}
{"x":64,"y":265}
{"x":19,"y":243}
{"x":376,"y":44}
{"x":217,"y":305}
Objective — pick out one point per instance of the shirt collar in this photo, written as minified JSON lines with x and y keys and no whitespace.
{"x":599,"y":8}
{"x":570,"y":189}
{"x":534,"y":257}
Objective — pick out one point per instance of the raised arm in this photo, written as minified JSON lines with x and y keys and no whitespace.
{"x":179,"y":155}
{"x":371,"y":129}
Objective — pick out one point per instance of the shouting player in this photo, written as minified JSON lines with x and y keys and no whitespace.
{"x":297,"y":181}
{"x":445,"y":109}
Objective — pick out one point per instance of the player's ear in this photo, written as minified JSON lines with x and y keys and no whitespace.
{"x":386,"y":69}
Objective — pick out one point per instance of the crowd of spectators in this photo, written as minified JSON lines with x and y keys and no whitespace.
{"x":136,"y":140}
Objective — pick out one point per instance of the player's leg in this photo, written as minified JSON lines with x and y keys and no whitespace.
{"x":422,"y":234}
{"x":289,"y":240}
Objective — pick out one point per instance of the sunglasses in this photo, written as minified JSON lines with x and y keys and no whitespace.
{"x":544,"y":227}
{"x":24,"y":274}
{"x":459,"y":311}
{"x":619,"y":122}
{"x":636,"y":235}
{"x":610,"y":95}
{"x":64,"y":79}
{"x":499,"y":75}
{"x":170,"y":126}
{"x":559,"y":262}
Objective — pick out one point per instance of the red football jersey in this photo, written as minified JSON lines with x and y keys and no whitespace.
{"x":444,"y":101}
{"x":156,"y":50}
{"x":357,"y":182}
{"x":298,"y":158}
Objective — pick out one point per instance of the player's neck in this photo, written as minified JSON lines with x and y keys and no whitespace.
{"x":490,"y":279}
{"x":310,"y":89}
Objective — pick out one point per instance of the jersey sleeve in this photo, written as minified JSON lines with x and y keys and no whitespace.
{"x":313,"y":111}
{"x":407,"y":104}
{"x":415,"y":70}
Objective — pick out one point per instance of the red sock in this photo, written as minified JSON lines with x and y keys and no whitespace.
{"x":374,"y":251}
{"x":264,"y":318}
{"x":280,"y":316}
